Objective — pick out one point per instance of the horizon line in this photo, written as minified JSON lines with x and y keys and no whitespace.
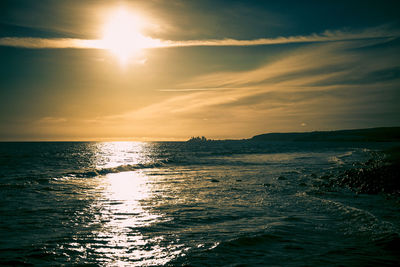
{"x":184,"y":140}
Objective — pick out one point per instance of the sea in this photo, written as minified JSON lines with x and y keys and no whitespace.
{"x":212,"y":203}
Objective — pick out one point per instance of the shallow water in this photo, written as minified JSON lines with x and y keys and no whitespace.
{"x":200,"y":204}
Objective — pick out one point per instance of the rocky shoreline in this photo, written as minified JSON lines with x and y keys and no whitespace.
{"x":381,"y":174}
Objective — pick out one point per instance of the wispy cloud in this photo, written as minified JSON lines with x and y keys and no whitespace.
{"x":38,"y":43}
{"x":51,"y":120}
{"x":313,"y":87}
{"x":327,"y":36}
{"x":194,"y":89}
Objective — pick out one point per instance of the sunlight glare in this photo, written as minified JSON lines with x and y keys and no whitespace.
{"x":122,"y":36}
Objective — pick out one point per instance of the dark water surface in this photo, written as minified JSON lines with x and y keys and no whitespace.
{"x":200,"y":204}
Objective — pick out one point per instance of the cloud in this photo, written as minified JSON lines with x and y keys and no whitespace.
{"x":51,"y":120}
{"x":321,"y":84}
{"x":194,"y":89}
{"x":43,"y":43}
{"x":327,"y":36}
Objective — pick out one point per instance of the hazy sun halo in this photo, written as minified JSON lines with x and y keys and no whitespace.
{"x":122,"y":36}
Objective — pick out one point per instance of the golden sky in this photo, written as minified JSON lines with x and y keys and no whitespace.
{"x":168,"y":70}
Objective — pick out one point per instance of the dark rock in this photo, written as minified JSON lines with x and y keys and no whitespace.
{"x":373,"y":178}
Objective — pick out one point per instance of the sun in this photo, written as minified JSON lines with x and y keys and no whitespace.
{"x":122,"y":36}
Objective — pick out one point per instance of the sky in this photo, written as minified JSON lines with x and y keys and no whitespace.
{"x":172,"y":69}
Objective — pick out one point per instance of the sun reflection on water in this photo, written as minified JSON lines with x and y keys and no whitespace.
{"x":122,"y":213}
{"x":121,"y":208}
{"x":113,"y":154}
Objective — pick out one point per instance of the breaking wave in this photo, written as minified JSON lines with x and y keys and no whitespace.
{"x":122,"y":168}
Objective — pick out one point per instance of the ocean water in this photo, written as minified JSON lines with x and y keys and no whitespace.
{"x":230,"y":203}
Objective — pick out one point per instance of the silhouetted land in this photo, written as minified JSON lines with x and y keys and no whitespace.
{"x":383,"y":134}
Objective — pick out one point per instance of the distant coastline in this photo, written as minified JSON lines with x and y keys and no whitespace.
{"x":381,"y":134}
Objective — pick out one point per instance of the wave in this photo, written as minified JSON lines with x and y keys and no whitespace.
{"x":250,"y":241}
{"x":121,"y":168}
{"x":246,"y":250}
{"x":336,"y":160}
{"x":93,"y":172}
